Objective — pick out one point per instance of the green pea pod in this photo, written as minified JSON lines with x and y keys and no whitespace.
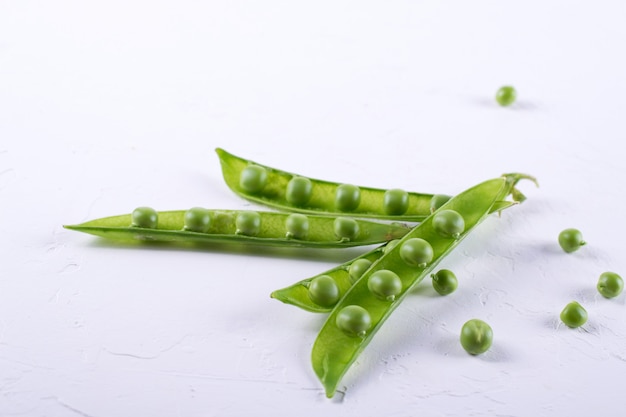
{"x":292,"y":192}
{"x":361,"y":312}
{"x":258,"y":228}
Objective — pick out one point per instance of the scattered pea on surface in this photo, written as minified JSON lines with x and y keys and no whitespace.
{"x":571,"y":240}
{"x":385,"y":284}
{"x":574,"y":315}
{"x":396,"y":201}
{"x":248,"y":223}
{"x":476,"y":336}
{"x":197,"y":219}
{"x":299,"y":191}
{"x":610,"y":284}
{"x":448,"y":223}
{"x":506,"y":95}
{"x":437,"y":201}
{"x":444,"y":282}
{"x":354,"y":320}
{"x":416,"y":252}
{"x":145,"y":217}
{"x":324,"y":291}
{"x":347,"y":197}
{"x":358,"y":268}
{"x":253,"y":178}
{"x":297,"y":226}
{"x":346,"y":228}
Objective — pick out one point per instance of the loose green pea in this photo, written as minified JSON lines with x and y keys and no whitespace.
{"x":347,"y":197}
{"x":444,"y":281}
{"x":571,"y":240}
{"x":248,"y":223}
{"x":385,"y":284}
{"x":346,"y":228}
{"x":476,"y":336}
{"x":448,"y":223}
{"x":437,"y":201}
{"x":353,"y":320}
{"x":506,"y":95}
{"x":358,"y":268}
{"x":146,"y":217}
{"x":574,"y":315}
{"x":610,"y":284}
{"x":299,"y":191}
{"x":253,"y":178}
{"x":297,"y":226}
{"x":416,"y":252}
{"x":323,"y":291}
{"x":396,"y":201}
{"x":197,"y":219}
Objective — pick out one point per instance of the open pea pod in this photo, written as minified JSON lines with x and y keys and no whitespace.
{"x":242,"y":226}
{"x":361,"y":312}
{"x":292,"y":192}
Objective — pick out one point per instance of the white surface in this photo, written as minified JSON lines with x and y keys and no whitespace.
{"x":105,"y":106}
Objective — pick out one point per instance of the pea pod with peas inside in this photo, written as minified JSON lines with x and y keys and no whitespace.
{"x":361,"y":312}
{"x":242,"y":226}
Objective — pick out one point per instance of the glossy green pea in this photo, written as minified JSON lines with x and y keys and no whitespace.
{"x":385,"y":284}
{"x":324,"y":291}
{"x":346,"y":228}
{"x":358,"y":268}
{"x":416,"y":252}
{"x":574,"y":315}
{"x":438,"y":200}
{"x":297,"y":226}
{"x":610,"y":284}
{"x":145,"y":217}
{"x":253,"y":178}
{"x":505,"y":96}
{"x":248,"y":223}
{"x":299,"y":191}
{"x":476,"y":336}
{"x":347,"y":197}
{"x":571,"y":240}
{"x":444,"y":282}
{"x":197,"y":219}
{"x":448,"y":223}
{"x":353,"y":320}
{"x":396,"y":201}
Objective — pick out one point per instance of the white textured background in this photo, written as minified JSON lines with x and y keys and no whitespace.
{"x":108,"y":105}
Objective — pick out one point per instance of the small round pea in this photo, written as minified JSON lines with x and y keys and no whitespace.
{"x":448,"y":223}
{"x":346,"y":228}
{"x":610,"y":284}
{"x":347,"y":197}
{"x":571,"y":240}
{"x":323,"y":291}
{"x":444,"y":281}
{"x":396,"y":201}
{"x":574,"y":315}
{"x":476,"y":336}
{"x":353,"y":320}
{"x":437,"y":201}
{"x":390,"y":245}
{"x":297,"y":226}
{"x":197,"y":219}
{"x":358,"y":268}
{"x":385,"y":284}
{"x":299,"y":191}
{"x":248,"y":223}
{"x":145,"y":217}
{"x":253,"y":178}
{"x":416,"y":252}
{"x":506,"y":95}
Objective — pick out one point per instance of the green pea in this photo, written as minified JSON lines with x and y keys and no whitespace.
{"x":437,"y":201}
{"x":253,"y":178}
{"x":197,"y":219}
{"x":297,"y":226}
{"x":574,"y":315}
{"x":299,"y":191}
{"x":416,"y":252}
{"x":347,"y":197}
{"x":448,"y":223}
{"x":354,"y":320}
{"x":396,"y":201}
{"x":444,"y":281}
{"x":248,"y":223}
{"x":610,"y":284}
{"x":390,"y":245}
{"x":506,"y":95}
{"x":323,"y":290}
{"x":571,"y":240}
{"x":476,"y":336}
{"x":385,"y":284}
{"x":346,"y":228}
{"x":358,"y":268}
{"x":145,"y":217}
